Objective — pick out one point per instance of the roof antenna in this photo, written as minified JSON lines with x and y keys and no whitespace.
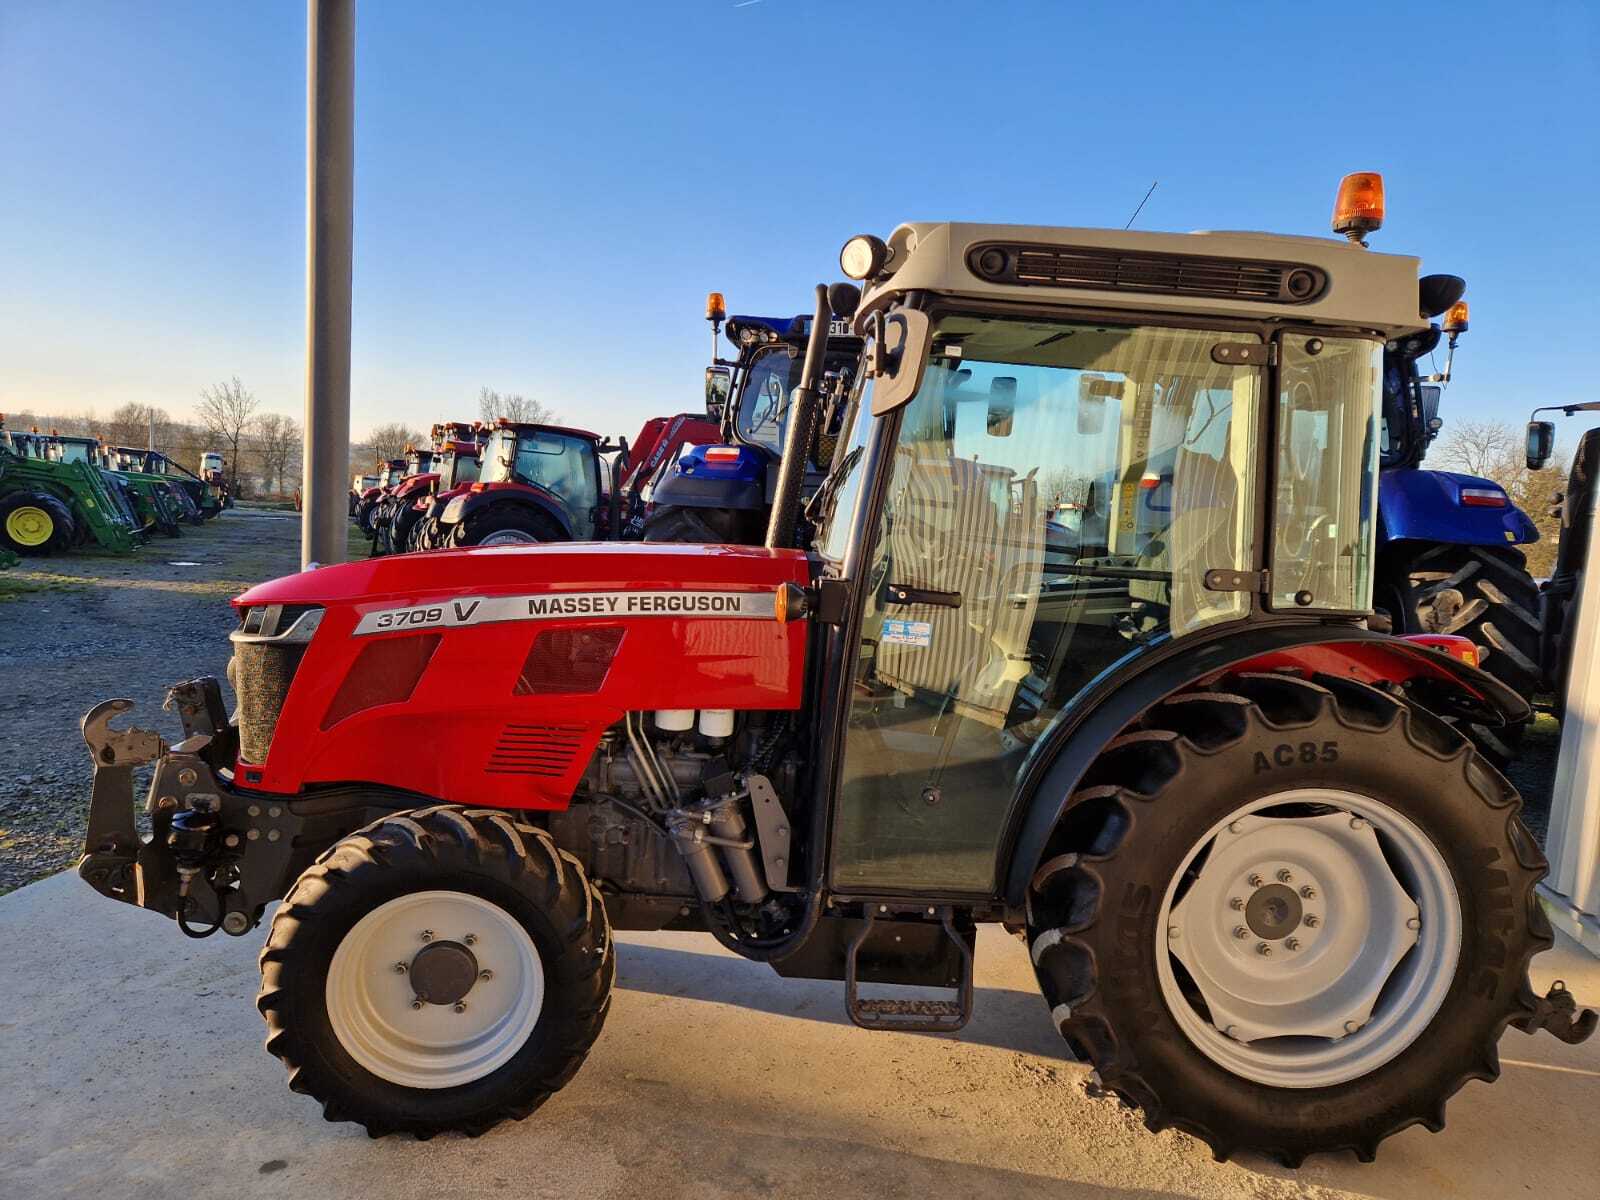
{"x":1140,"y":209}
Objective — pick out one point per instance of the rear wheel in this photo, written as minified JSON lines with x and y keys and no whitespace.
{"x":507,"y":525}
{"x":441,"y":970}
{"x":366,"y":513}
{"x":716,"y":526}
{"x":32,"y":523}
{"x":1289,"y":916}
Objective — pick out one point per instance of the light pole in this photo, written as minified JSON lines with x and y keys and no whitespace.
{"x":330,"y":232}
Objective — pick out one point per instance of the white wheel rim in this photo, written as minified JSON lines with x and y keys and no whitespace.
{"x":1377,"y":939}
{"x":509,"y":537}
{"x":370,"y":999}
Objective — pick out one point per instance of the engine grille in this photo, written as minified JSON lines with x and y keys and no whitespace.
{"x":546,"y":751}
{"x":1098,"y":269}
{"x":262,"y":674}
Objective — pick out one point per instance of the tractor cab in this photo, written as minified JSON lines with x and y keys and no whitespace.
{"x":536,"y":483}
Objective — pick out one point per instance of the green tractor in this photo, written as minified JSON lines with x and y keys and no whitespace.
{"x":154,"y":509}
{"x":48,"y":506}
{"x":205,"y":496}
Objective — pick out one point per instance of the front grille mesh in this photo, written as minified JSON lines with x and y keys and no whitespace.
{"x":1099,"y":269}
{"x":262,"y":674}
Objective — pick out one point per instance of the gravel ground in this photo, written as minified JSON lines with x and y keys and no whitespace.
{"x":80,"y":628}
{"x":76,"y":629}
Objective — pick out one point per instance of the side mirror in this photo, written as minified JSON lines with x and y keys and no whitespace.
{"x":1093,"y":393}
{"x":1002,"y":405}
{"x":899,"y":357}
{"x":719,"y":386}
{"x":1541,"y":443}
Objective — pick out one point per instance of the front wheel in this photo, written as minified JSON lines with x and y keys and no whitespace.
{"x":1289,"y":916}
{"x":440,"y":970}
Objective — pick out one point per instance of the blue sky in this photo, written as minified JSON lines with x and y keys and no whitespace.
{"x":545,"y":193}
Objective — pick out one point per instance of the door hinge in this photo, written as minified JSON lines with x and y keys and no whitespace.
{"x":1222,"y":579}
{"x":1245,"y":354}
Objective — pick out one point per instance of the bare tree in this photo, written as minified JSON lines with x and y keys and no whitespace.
{"x":390,"y":441}
{"x":1493,"y":450}
{"x":132,"y":424}
{"x":513,"y":406}
{"x":226,"y":410}
{"x":277,"y":440}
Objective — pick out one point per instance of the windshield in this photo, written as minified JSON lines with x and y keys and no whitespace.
{"x":563,"y":465}
{"x":457,"y":469}
{"x":764,"y":398}
{"x":73,"y":452}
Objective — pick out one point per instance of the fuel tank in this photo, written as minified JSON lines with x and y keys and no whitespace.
{"x":487,"y":675}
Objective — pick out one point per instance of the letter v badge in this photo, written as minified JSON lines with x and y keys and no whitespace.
{"x":464,"y":610}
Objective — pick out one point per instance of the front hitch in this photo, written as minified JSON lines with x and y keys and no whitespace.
{"x":214,"y":857}
{"x":1557,"y":1012}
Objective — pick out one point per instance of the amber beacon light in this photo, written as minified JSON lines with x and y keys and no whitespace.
{"x":1359,"y":208}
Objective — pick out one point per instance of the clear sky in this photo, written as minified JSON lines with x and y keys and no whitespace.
{"x":546,"y":192}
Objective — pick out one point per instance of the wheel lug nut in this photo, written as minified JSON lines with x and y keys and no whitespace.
{"x":1240,"y":932}
{"x":1255,"y":881}
{"x":427,"y":935}
{"x":1172,"y":931}
{"x":1311,"y":920}
{"x":1357,"y":823}
{"x":461,"y":1006}
{"x":486,"y":974}
{"x":1291,"y":943}
{"x":1284,"y":876}
{"x":401,"y":968}
{"x":1235,"y":827}
{"x":416,"y":1004}
{"x":1236,"y":904}
{"x":1264,"y":950}
{"x":1414,"y":923}
{"x":1308,"y":892}
{"x":471,"y":939}
{"x":1232,"y":1031}
{"x":1351,"y":1027}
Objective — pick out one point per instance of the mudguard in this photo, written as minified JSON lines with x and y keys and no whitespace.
{"x":478,"y":497}
{"x":1420,"y":505}
{"x":734,"y":478}
{"x":1064,"y":752}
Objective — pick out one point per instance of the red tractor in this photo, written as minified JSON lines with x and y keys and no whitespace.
{"x":366,"y":506}
{"x":537,"y":483}
{"x":1268,"y":890}
{"x":411,"y":507}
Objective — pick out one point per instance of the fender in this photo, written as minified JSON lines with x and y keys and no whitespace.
{"x":1064,"y":752}
{"x":729,"y":477}
{"x":478,"y":497}
{"x":1417,"y":505}
{"x":414,"y":483}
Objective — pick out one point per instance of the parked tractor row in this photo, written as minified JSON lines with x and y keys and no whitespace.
{"x":1075,"y":634}
{"x":59,"y":492}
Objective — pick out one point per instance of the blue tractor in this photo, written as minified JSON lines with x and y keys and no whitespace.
{"x":723,"y":493}
{"x":1448,"y":557}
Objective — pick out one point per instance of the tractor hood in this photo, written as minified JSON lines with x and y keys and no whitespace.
{"x":488,"y":675}
{"x":564,"y":567}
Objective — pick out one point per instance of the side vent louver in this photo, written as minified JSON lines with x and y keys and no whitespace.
{"x":546,"y":751}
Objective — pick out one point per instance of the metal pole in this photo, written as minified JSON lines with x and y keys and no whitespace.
{"x":330,"y":231}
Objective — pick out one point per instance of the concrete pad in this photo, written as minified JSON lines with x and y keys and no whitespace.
{"x":132,"y":1067}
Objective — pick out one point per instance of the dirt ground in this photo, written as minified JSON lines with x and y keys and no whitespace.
{"x":79,"y":628}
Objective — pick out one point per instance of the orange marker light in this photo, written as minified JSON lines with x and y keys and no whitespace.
{"x":1455,"y":321}
{"x":1359,"y":208}
{"x":716,"y":307}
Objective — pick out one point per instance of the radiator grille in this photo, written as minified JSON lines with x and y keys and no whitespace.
{"x":546,"y":751}
{"x":1099,"y":269}
{"x":262,"y":673}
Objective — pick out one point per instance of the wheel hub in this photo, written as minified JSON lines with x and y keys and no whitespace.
{"x":443,"y":972}
{"x":1273,"y":912}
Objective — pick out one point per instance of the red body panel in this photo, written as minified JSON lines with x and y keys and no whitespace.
{"x":1395,"y":660}
{"x":413,"y":484}
{"x":441,"y":738}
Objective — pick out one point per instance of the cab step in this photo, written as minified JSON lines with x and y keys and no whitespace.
{"x":912,"y":1014}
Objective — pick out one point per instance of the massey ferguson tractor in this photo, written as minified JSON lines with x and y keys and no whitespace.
{"x":1270,"y":893}
{"x":537,"y":483}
